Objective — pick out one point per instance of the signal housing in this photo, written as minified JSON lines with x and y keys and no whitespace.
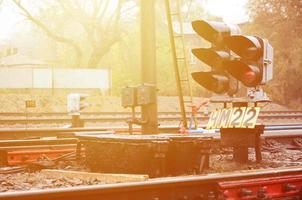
{"x":216,"y":80}
{"x":253,"y":64}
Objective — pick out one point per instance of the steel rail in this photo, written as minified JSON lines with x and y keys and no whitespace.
{"x":112,"y":129}
{"x":33,"y":142}
{"x":123,"y":113}
{"x":38,"y":147}
{"x":55,"y":131}
{"x":17,"y":134}
{"x":184,"y":187}
{"x":120,"y":119}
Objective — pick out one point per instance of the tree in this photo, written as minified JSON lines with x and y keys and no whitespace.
{"x":97,"y":20}
{"x":281,"y":23}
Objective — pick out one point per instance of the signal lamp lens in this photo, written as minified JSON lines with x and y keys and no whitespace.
{"x":249,"y":77}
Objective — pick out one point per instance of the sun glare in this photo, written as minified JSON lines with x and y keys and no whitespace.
{"x":231,"y":11}
{"x":8,"y":20}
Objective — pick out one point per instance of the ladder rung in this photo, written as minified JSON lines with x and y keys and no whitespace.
{"x":175,"y":14}
{"x":177,"y":36}
{"x":180,"y":58}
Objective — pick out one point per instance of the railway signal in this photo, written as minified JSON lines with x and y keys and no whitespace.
{"x":216,"y":80}
{"x":254,"y":61}
{"x":76,"y":103}
{"x":232,"y":58}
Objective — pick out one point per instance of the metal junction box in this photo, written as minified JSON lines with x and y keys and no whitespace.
{"x":155,"y":155}
{"x":129,"y":97}
{"x":126,"y":154}
{"x":146,"y":94}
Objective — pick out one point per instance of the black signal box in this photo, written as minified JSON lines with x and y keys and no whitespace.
{"x":146,"y":94}
{"x":129,"y":98}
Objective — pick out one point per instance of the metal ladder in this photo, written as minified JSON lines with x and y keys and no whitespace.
{"x":180,"y":63}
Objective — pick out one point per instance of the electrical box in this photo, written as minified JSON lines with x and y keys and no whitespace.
{"x":146,"y":94}
{"x":129,"y":98}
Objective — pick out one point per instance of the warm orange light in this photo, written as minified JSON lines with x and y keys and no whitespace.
{"x":249,"y":76}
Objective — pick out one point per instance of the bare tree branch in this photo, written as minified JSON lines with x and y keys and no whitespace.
{"x":50,"y":33}
{"x":97,"y":19}
{"x":114,"y":36}
{"x":104,"y":9}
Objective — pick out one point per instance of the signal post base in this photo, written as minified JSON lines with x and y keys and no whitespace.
{"x":241,"y":139}
{"x":76,"y":121}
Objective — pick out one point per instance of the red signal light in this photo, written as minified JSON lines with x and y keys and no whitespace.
{"x":249,"y":77}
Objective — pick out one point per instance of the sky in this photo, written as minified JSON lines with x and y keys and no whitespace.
{"x":232,"y":11}
{"x":8,"y":20}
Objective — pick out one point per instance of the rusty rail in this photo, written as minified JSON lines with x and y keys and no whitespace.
{"x":119,"y":117}
{"x":175,"y":188}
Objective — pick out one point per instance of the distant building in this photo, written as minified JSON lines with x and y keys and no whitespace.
{"x":7,"y":50}
{"x":19,"y":60}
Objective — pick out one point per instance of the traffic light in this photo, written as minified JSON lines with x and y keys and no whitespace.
{"x":254,"y":65}
{"x":75,"y":103}
{"x":216,"y":80}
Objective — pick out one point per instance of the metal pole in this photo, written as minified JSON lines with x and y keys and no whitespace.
{"x":148,"y":55}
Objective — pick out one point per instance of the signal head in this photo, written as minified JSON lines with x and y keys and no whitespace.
{"x":211,"y":57}
{"x":247,"y":47}
{"x":217,"y":80}
{"x":214,"y":32}
{"x":249,"y":75}
{"x":217,"y":83}
{"x":248,"y":67}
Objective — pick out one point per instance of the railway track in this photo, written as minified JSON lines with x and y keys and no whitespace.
{"x":2,"y":114}
{"x":256,"y":184}
{"x":123,"y":113}
{"x":277,"y":184}
{"x":17,"y":144}
{"x":121,"y":117}
{"x":19,"y":133}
